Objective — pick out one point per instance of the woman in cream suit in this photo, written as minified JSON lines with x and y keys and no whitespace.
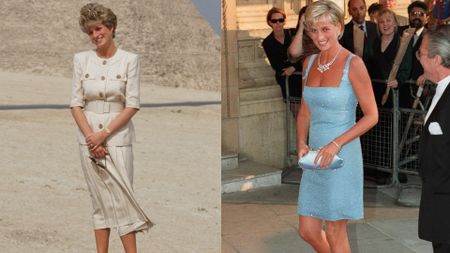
{"x":105,"y":96}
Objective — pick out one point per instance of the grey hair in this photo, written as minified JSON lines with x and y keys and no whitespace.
{"x":439,"y":44}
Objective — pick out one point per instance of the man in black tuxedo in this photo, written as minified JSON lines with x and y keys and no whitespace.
{"x":357,"y":9}
{"x":434,"y":148}
{"x":417,"y":17}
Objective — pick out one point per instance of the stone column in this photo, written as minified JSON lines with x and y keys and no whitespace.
{"x":230,"y":80}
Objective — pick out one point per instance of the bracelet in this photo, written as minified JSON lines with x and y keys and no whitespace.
{"x":335,"y":143}
{"x":107,"y":130}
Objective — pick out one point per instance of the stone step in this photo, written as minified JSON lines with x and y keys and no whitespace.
{"x":249,"y":175}
{"x":258,"y":93}
{"x":254,"y":33}
{"x":230,"y":161}
{"x":257,"y":75}
{"x":257,"y":82}
{"x":261,"y":106}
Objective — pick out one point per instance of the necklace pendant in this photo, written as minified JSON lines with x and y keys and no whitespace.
{"x":323,"y":68}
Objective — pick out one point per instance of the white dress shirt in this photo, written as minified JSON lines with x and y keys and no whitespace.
{"x":441,"y":85}
{"x":417,"y":34}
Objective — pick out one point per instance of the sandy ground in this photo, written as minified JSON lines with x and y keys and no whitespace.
{"x":44,"y":203}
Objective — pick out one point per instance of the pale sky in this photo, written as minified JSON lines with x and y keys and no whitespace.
{"x":210,"y":9}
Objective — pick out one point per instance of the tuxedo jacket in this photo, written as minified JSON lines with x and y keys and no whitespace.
{"x":434,"y":150}
{"x":347,"y":38}
{"x":434,"y":169}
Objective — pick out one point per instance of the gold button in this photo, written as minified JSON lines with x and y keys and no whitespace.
{"x":104,"y":62}
{"x":100,"y":126}
{"x":103,"y":78}
{"x":119,"y":76}
{"x":100,"y":94}
{"x":87,"y":75}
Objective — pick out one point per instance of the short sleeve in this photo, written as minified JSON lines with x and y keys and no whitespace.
{"x":133,"y":83}
{"x":77,"y":85}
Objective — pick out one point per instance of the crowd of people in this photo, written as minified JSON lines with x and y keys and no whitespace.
{"x":286,"y":48}
{"x":356,"y":64}
{"x":377,"y":42}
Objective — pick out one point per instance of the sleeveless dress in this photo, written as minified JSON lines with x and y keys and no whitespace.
{"x":332,"y":194}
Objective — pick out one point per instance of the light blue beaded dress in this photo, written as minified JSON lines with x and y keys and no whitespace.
{"x":332,"y":194}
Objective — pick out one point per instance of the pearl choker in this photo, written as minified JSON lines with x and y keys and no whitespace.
{"x":324,"y":67}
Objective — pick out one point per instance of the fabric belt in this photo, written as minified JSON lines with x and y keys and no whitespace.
{"x":100,"y":106}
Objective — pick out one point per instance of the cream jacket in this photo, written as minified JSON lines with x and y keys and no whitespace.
{"x":108,"y":85}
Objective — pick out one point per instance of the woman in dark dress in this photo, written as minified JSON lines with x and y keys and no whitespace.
{"x":275,"y":46}
{"x":382,"y":58}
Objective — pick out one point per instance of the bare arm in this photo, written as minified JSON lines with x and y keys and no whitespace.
{"x":362,"y":86}
{"x":303,"y":120}
{"x":296,"y":47}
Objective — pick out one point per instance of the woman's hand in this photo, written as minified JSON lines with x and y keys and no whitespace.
{"x":99,"y":152}
{"x":301,"y":24}
{"x":288,"y":71}
{"x":326,"y":154}
{"x":96,"y":140}
{"x":303,"y":150}
{"x":393,"y":84}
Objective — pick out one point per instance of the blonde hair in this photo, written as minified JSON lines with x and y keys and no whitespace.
{"x":387,"y":12}
{"x":93,"y":12}
{"x":321,"y":9}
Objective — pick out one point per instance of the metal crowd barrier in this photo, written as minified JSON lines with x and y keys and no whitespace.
{"x":292,"y":107}
{"x":390,"y":147}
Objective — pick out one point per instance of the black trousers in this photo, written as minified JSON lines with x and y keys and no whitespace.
{"x":441,"y":247}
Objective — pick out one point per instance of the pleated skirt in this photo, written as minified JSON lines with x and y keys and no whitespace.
{"x":110,"y":184}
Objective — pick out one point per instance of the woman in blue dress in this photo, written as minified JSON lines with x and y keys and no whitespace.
{"x":334,"y":82}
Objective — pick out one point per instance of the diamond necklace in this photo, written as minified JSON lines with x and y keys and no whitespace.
{"x":324,"y":67}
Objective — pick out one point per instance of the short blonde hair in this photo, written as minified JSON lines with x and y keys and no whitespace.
{"x":324,"y":8}
{"x":387,"y":12}
{"x":93,"y":12}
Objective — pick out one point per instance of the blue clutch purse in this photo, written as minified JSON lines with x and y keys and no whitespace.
{"x":307,"y":162}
